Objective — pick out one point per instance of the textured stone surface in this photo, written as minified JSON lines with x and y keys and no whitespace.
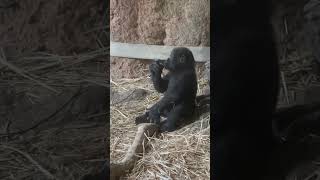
{"x":190,"y":26}
{"x":159,"y":22}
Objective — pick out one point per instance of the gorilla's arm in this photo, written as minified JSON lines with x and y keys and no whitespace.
{"x":159,"y":83}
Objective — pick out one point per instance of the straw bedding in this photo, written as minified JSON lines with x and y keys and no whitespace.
{"x":183,"y":154}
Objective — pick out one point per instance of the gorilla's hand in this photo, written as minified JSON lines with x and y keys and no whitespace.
{"x":156,"y":68}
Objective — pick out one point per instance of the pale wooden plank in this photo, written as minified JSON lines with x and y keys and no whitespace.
{"x":144,"y":51}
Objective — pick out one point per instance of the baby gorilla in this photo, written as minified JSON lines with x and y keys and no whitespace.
{"x":179,"y":87}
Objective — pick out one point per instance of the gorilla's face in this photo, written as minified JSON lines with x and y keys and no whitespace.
{"x":180,"y":59}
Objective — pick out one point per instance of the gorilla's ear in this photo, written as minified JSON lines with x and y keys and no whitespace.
{"x":182,"y":59}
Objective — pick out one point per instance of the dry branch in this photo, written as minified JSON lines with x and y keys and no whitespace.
{"x":145,"y":130}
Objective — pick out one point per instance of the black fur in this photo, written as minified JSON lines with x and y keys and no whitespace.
{"x":245,"y":89}
{"x":179,"y":87}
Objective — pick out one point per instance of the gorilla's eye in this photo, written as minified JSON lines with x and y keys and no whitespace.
{"x":182,"y":59}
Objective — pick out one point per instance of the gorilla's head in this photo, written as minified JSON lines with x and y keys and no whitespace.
{"x":181,"y":58}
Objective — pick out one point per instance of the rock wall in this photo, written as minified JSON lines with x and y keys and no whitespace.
{"x":157,"y":22}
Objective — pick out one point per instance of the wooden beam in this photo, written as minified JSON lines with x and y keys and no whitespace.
{"x":144,"y":51}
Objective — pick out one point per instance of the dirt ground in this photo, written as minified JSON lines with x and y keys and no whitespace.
{"x":53,"y":83}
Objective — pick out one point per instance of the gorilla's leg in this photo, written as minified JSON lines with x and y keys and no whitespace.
{"x":154,"y":114}
{"x":146,"y":118}
{"x":162,"y":107}
{"x":174,"y":115}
